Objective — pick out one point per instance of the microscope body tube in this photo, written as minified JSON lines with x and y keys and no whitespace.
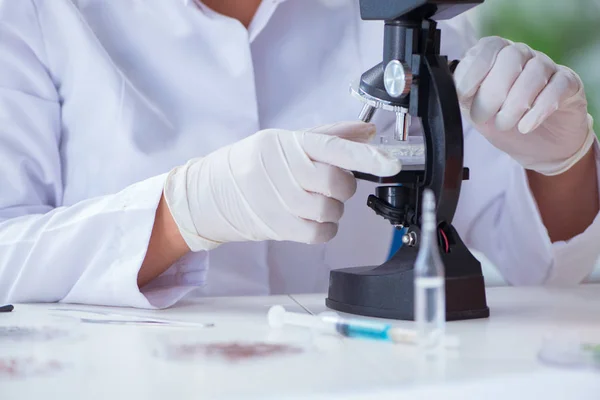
{"x":395,"y":49}
{"x":394,"y":41}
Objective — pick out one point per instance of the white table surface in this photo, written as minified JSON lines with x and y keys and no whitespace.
{"x":497,"y":359}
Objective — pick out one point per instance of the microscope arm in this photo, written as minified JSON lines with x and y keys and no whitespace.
{"x":440,"y":112}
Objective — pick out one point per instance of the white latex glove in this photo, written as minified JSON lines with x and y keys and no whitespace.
{"x":525,"y":104}
{"x":274,"y":185}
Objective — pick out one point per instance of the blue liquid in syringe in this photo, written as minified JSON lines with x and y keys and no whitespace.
{"x":366,"y":331}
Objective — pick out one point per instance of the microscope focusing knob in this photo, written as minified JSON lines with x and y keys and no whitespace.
{"x":397,"y":79}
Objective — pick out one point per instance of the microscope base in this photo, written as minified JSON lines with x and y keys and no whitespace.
{"x":387,"y":291}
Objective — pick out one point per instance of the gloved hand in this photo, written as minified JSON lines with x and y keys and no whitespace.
{"x":525,"y":104}
{"x":273,"y":185}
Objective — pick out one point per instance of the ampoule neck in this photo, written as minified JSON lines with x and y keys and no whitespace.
{"x":429,"y":261}
{"x":429,"y":236}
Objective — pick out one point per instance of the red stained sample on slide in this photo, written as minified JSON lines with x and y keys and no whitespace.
{"x":231,"y":351}
{"x":243,"y":351}
{"x":21,"y":368}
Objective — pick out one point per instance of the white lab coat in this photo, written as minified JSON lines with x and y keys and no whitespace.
{"x":99,"y":99}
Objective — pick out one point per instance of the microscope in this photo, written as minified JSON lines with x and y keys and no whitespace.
{"x":414,"y":81}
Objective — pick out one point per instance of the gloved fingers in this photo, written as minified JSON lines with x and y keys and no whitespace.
{"x":311,"y":232}
{"x":314,"y":176}
{"x":287,"y":173}
{"x":356,"y":131}
{"x":495,"y":88}
{"x":348,"y":155}
{"x":274,"y":180}
{"x":328,"y":180}
{"x":319,"y":208}
{"x":535,"y":77}
{"x":562,"y":86}
{"x":475,"y":66}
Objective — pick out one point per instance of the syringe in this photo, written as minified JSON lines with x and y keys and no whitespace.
{"x":331,"y":323}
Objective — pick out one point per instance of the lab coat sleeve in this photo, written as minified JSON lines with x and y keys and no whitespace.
{"x":89,"y":252}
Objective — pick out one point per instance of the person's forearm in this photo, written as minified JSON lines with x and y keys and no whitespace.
{"x":165,"y":247}
{"x":568,"y":203}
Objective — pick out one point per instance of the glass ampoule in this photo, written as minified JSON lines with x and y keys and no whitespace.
{"x":429,"y":286}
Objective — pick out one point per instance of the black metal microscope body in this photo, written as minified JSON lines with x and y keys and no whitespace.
{"x":414,"y":80}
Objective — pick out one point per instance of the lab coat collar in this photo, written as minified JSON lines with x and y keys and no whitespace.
{"x":262,"y":17}
{"x":186,"y":2}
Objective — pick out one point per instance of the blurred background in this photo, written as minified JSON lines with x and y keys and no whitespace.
{"x":566,"y":30}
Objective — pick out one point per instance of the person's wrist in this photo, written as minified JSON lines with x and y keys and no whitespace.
{"x":586,"y":165}
{"x":166,"y":245}
{"x":555,"y":169}
{"x":567,"y":202}
{"x":170,"y":231}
